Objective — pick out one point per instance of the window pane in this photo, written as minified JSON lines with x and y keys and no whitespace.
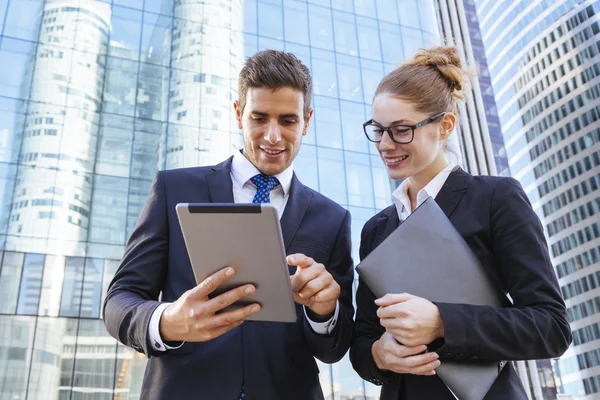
{"x":250,"y":45}
{"x":305,"y":166}
{"x":114,"y":150}
{"x":295,"y":22}
{"x":353,"y":117}
{"x":16,"y":335}
{"x":391,"y":42}
{"x":327,"y":122}
{"x":365,"y":7}
{"x":324,"y":73}
{"x":372,"y":74}
{"x":31,"y":284}
{"x":47,"y":352}
{"x":332,"y":175}
{"x":92,"y":288}
{"x":265,"y":43}
{"x":10,"y":277}
{"x":126,"y":30}
{"x":70,"y":303}
{"x":343,"y":5}
{"x":22,"y":19}
{"x":154,"y":32}
{"x":345,"y":34}
{"x":409,"y":12}
{"x":368,"y":38}
{"x":381,"y":183}
{"x":387,"y":10}
{"x":412,"y":39}
{"x":429,"y":19}
{"x":16,"y":57}
{"x":94,"y":369}
{"x":110,"y":267}
{"x":270,"y":22}
{"x":108,"y":216}
{"x":250,"y":17}
{"x":3,"y":8}
{"x":321,"y":35}
{"x":360,"y":185}
{"x":349,"y":78}
{"x":51,"y":286}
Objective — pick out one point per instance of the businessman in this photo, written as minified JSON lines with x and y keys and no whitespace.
{"x":194,"y":351}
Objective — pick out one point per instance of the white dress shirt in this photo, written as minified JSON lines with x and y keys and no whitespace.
{"x":244,"y":190}
{"x":402,"y":201}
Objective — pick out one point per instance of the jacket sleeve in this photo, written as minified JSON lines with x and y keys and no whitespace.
{"x":332,"y":347}
{"x":367,"y":327}
{"x":536,"y":327}
{"x":134,"y":291}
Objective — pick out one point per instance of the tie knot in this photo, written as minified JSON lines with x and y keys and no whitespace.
{"x":265,"y":182}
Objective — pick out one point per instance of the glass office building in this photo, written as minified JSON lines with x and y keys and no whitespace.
{"x":544,"y":61}
{"x":97,"y":95}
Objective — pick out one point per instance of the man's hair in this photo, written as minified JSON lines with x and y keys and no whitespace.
{"x":275,"y":69}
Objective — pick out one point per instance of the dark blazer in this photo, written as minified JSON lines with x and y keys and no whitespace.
{"x":495,"y":218}
{"x":275,"y":360}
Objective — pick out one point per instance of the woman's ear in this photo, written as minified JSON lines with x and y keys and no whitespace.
{"x":448,"y":123}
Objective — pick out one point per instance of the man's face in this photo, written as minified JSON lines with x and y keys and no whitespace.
{"x":273,"y":124}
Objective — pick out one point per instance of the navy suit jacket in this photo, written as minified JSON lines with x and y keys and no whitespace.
{"x":495,"y":218}
{"x":274,"y":360}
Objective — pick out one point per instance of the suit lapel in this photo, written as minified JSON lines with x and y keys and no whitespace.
{"x":447,"y":199}
{"x":294,"y":210}
{"x":452,"y":191}
{"x":387,"y":223}
{"x":220,"y":186}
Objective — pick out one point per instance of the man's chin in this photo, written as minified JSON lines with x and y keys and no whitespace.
{"x":271,"y":168}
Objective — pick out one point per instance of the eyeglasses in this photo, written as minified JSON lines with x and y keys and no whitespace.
{"x":401,"y":134}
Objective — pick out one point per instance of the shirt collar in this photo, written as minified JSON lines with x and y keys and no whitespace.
{"x":400,"y":195}
{"x":243,"y":170}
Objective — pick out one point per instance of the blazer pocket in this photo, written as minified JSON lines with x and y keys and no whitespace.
{"x":319,"y":252}
{"x":310,"y":244}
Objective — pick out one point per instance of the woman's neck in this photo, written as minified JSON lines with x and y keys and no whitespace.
{"x":421,"y":179}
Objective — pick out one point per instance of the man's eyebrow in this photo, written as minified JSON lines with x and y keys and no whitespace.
{"x":263,"y":114}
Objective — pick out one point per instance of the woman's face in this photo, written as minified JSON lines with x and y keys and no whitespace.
{"x":424,"y":152}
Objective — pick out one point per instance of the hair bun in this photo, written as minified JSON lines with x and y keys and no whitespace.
{"x":447,"y":61}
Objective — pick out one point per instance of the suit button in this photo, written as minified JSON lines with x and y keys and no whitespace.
{"x":460,"y":356}
{"x":448,"y":355}
{"x":474,"y":358}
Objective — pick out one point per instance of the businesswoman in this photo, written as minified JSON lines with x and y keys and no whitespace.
{"x":414,"y":112}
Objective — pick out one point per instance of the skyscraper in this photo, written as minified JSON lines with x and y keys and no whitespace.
{"x":544,"y":66}
{"x":482,"y":151}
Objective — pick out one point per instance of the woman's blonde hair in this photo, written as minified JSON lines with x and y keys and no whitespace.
{"x":433,"y":80}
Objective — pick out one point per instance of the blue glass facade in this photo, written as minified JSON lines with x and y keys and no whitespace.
{"x":96,"y":95}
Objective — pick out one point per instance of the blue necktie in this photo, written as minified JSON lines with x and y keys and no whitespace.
{"x":264,"y":185}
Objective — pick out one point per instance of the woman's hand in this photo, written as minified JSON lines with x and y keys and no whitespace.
{"x":411,"y":320}
{"x":389,"y":355}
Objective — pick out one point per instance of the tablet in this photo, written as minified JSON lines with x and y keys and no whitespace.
{"x":248,"y":238}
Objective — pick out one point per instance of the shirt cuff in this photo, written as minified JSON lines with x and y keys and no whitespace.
{"x":324,"y":328}
{"x":154,"y":330}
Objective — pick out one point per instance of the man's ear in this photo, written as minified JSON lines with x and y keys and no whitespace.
{"x":307,"y":119}
{"x":238,"y":113}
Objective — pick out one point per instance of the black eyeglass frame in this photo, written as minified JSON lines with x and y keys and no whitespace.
{"x":388,"y":129}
